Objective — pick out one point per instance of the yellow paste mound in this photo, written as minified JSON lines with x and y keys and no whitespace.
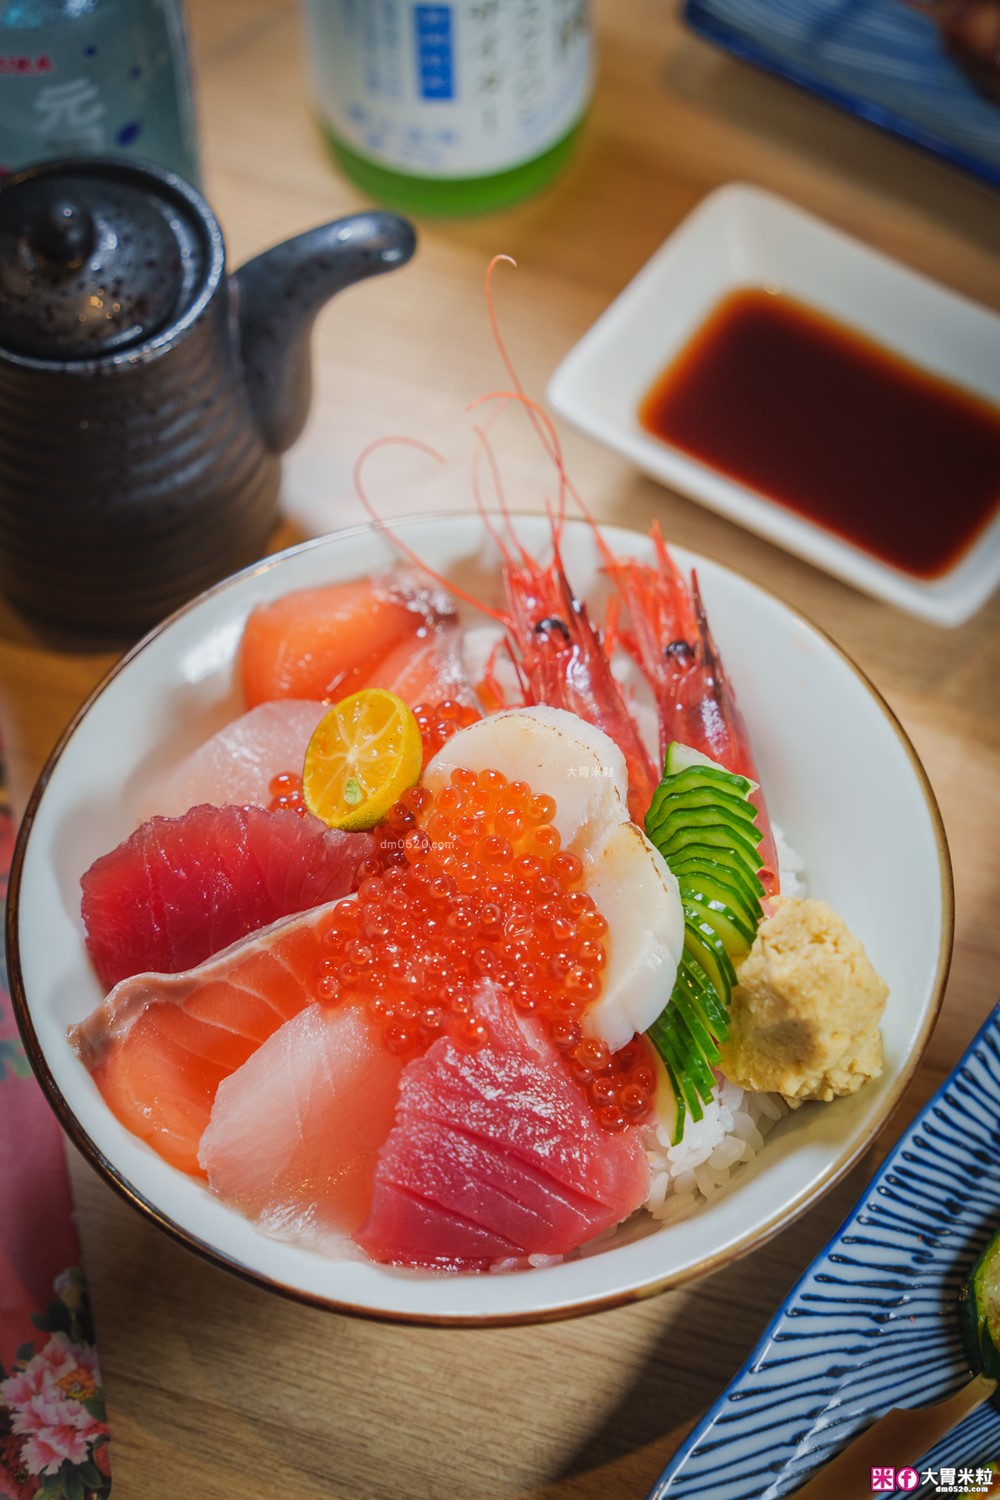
{"x":805,"y":1014}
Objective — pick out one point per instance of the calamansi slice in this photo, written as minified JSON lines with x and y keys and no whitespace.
{"x":362,"y":757}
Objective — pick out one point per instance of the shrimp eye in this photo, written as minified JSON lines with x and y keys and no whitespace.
{"x":680,"y":651}
{"x":550,"y":623}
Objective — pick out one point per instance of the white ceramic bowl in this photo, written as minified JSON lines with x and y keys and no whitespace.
{"x":742,"y":237}
{"x":841,"y":778}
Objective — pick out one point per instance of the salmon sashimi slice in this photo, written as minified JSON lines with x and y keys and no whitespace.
{"x":495,"y":1155}
{"x":294,"y":1134}
{"x":426,"y":669}
{"x":301,"y":645}
{"x":159,"y":1045}
{"x":180,"y":889}
{"x":327,"y":642}
{"x":237,"y":765}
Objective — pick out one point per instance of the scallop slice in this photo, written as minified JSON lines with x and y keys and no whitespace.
{"x":578,"y":765}
{"x":636,"y":892}
{"x":555,"y":752}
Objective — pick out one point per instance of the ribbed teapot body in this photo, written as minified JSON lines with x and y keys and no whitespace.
{"x":130,"y":482}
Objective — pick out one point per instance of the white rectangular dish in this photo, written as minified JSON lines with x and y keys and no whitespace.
{"x":742,"y":237}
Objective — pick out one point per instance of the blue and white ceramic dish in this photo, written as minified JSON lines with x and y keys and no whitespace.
{"x":880,"y":59}
{"x":872,"y":1323}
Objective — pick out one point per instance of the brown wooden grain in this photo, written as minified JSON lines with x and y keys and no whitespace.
{"x":215,"y":1388}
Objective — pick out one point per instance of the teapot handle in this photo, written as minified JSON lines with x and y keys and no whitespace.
{"x":278,"y":295}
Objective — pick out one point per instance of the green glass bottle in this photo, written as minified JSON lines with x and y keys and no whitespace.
{"x":453,"y":108}
{"x":95,"y":76}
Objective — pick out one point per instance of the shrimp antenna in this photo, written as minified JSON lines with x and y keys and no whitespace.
{"x":483,"y":450}
{"x":505,"y":359}
{"x":540,"y":419}
{"x":512,"y":532}
{"x":684,"y":619}
{"x":554,"y":449}
{"x":482,"y":437}
{"x":546,"y":432}
{"x":505,"y":511}
{"x":397,"y":542}
{"x":612,"y":623}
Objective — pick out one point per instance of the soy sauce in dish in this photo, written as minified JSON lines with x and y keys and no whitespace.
{"x":833,"y":426}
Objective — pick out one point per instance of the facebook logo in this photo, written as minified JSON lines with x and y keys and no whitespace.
{"x":435,"y":51}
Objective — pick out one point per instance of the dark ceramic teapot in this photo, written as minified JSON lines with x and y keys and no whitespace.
{"x":146,"y":395}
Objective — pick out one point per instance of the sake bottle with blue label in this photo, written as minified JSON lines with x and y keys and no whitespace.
{"x":86,"y":77}
{"x":452,"y":108}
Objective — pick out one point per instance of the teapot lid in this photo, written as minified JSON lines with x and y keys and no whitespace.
{"x":97,"y":256}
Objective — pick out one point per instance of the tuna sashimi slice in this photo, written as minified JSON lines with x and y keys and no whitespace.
{"x":181,"y":889}
{"x":294,"y":1134}
{"x":159,"y":1045}
{"x":238,"y":764}
{"x":496,"y":1154}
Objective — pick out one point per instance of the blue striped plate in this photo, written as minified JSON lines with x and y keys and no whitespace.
{"x":880,"y":59}
{"x":872,"y":1323}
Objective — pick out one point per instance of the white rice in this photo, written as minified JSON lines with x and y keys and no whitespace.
{"x":791,"y":865}
{"x":731,"y":1131}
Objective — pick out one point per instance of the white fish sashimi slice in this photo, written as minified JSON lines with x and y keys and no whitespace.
{"x":555,"y":752}
{"x":638,"y":895}
{"x":237,"y":765}
{"x":294,"y":1134}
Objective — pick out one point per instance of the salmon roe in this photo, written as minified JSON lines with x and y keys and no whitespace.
{"x":439,"y":721}
{"x":286,"y":792}
{"x":467,"y":884}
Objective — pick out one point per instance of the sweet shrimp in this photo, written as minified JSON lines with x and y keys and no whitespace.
{"x":556,"y":649}
{"x":562,"y":662}
{"x":559,"y":654}
{"x":672,"y":643}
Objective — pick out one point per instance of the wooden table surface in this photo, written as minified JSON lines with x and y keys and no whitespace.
{"x":215,"y":1388}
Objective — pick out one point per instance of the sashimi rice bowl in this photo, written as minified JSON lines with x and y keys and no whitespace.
{"x":477,"y":922}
